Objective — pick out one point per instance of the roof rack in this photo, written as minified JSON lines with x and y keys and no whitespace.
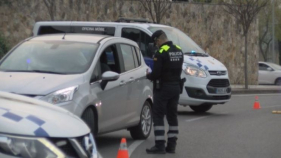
{"x":132,"y":20}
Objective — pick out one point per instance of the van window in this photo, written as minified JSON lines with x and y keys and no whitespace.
{"x":140,"y":37}
{"x":180,"y":38}
{"x":53,"y":30}
{"x":77,"y":29}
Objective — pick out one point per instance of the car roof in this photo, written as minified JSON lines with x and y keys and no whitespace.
{"x":88,"y":38}
{"x":84,"y":38}
{"x":263,"y":62}
{"x":79,"y":23}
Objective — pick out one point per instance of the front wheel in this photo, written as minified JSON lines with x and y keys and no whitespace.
{"x":88,"y":117}
{"x":278,"y":82}
{"x":143,"y":129}
{"x":201,"y":108}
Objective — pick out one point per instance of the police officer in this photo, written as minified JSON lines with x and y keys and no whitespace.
{"x":165,"y":75}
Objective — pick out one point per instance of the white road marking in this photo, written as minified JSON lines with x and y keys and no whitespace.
{"x":250,"y":95}
{"x":195,"y":119}
{"x":133,"y":146}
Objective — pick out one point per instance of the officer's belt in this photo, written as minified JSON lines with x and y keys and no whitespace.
{"x":170,"y":83}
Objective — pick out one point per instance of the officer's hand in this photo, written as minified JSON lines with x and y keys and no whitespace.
{"x":148,"y":70}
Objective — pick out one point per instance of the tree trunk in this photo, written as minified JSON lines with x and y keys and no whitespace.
{"x":246,"y":59}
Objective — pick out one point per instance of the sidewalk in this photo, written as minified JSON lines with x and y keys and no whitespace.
{"x":255,"y":89}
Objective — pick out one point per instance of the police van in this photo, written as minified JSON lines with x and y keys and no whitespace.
{"x":31,"y":128}
{"x":207,"y":82}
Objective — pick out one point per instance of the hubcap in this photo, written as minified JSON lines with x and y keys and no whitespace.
{"x":146,"y":120}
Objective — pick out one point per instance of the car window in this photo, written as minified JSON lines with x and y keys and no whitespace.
{"x":128,"y":57}
{"x":138,"y":55}
{"x":140,"y":37}
{"x":109,"y":60}
{"x":54,"y":56}
{"x":96,"y":76}
{"x":263,"y":67}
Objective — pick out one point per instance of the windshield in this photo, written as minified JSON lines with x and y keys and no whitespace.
{"x":274,"y":66}
{"x":179,"y":38}
{"x":60,"y":57}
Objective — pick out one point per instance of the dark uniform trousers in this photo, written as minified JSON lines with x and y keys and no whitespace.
{"x":166,"y":103}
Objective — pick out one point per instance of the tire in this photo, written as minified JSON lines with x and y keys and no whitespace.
{"x":143,"y":129}
{"x":201,"y":108}
{"x":88,"y":117}
{"x":278,"y":82}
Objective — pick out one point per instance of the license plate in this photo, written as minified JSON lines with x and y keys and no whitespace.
{"x":221,"y":90}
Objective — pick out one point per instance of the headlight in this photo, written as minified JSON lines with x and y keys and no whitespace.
{"x":194,"y":71}
{"x":61,"y":96}
{"x":28,"y":147}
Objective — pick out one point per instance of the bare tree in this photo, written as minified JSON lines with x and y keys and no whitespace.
{"x":264,"y":38}
{"x":156,"y":8}
{"x":244,"y":11}
{"x":51,"y":6}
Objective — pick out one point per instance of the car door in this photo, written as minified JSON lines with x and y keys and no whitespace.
{"x":113,"y":98}
{"x":131,"y":71}
{"x":265,"y":75}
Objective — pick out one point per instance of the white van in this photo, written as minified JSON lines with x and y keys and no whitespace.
{"x":207,"y":82}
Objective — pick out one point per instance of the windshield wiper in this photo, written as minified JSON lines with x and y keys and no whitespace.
{"x":40,"y":71}
{"x":196,"y":54}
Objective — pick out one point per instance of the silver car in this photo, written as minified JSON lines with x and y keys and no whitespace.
{"x":99,"y":78}
{"x":269,"y":73}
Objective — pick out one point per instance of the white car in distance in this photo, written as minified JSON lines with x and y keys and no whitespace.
{"x":269,"y":73}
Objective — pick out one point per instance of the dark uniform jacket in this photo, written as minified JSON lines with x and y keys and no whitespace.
{"x":168,"y":62}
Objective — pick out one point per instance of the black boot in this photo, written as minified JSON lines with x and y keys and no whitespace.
{"x":171,"y":145}
{"x":156,"y":150}
{"x":171,"y":149}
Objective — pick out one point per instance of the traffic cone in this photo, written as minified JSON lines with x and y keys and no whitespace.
{"x":257,"y":104}
{"x":123,"y":151}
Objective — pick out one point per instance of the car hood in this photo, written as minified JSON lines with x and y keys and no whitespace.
{"x":25,"y":116}
{"x":206,"y":63}
{"x":36,"y":83}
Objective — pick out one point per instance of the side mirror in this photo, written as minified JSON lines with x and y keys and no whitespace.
{"x":269,"y":69}
{"x":152,"y":49}
{"x":110,"y":76}
{"x":107,"y":77}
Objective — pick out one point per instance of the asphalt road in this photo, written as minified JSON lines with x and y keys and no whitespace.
{"x":231,"y":130}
